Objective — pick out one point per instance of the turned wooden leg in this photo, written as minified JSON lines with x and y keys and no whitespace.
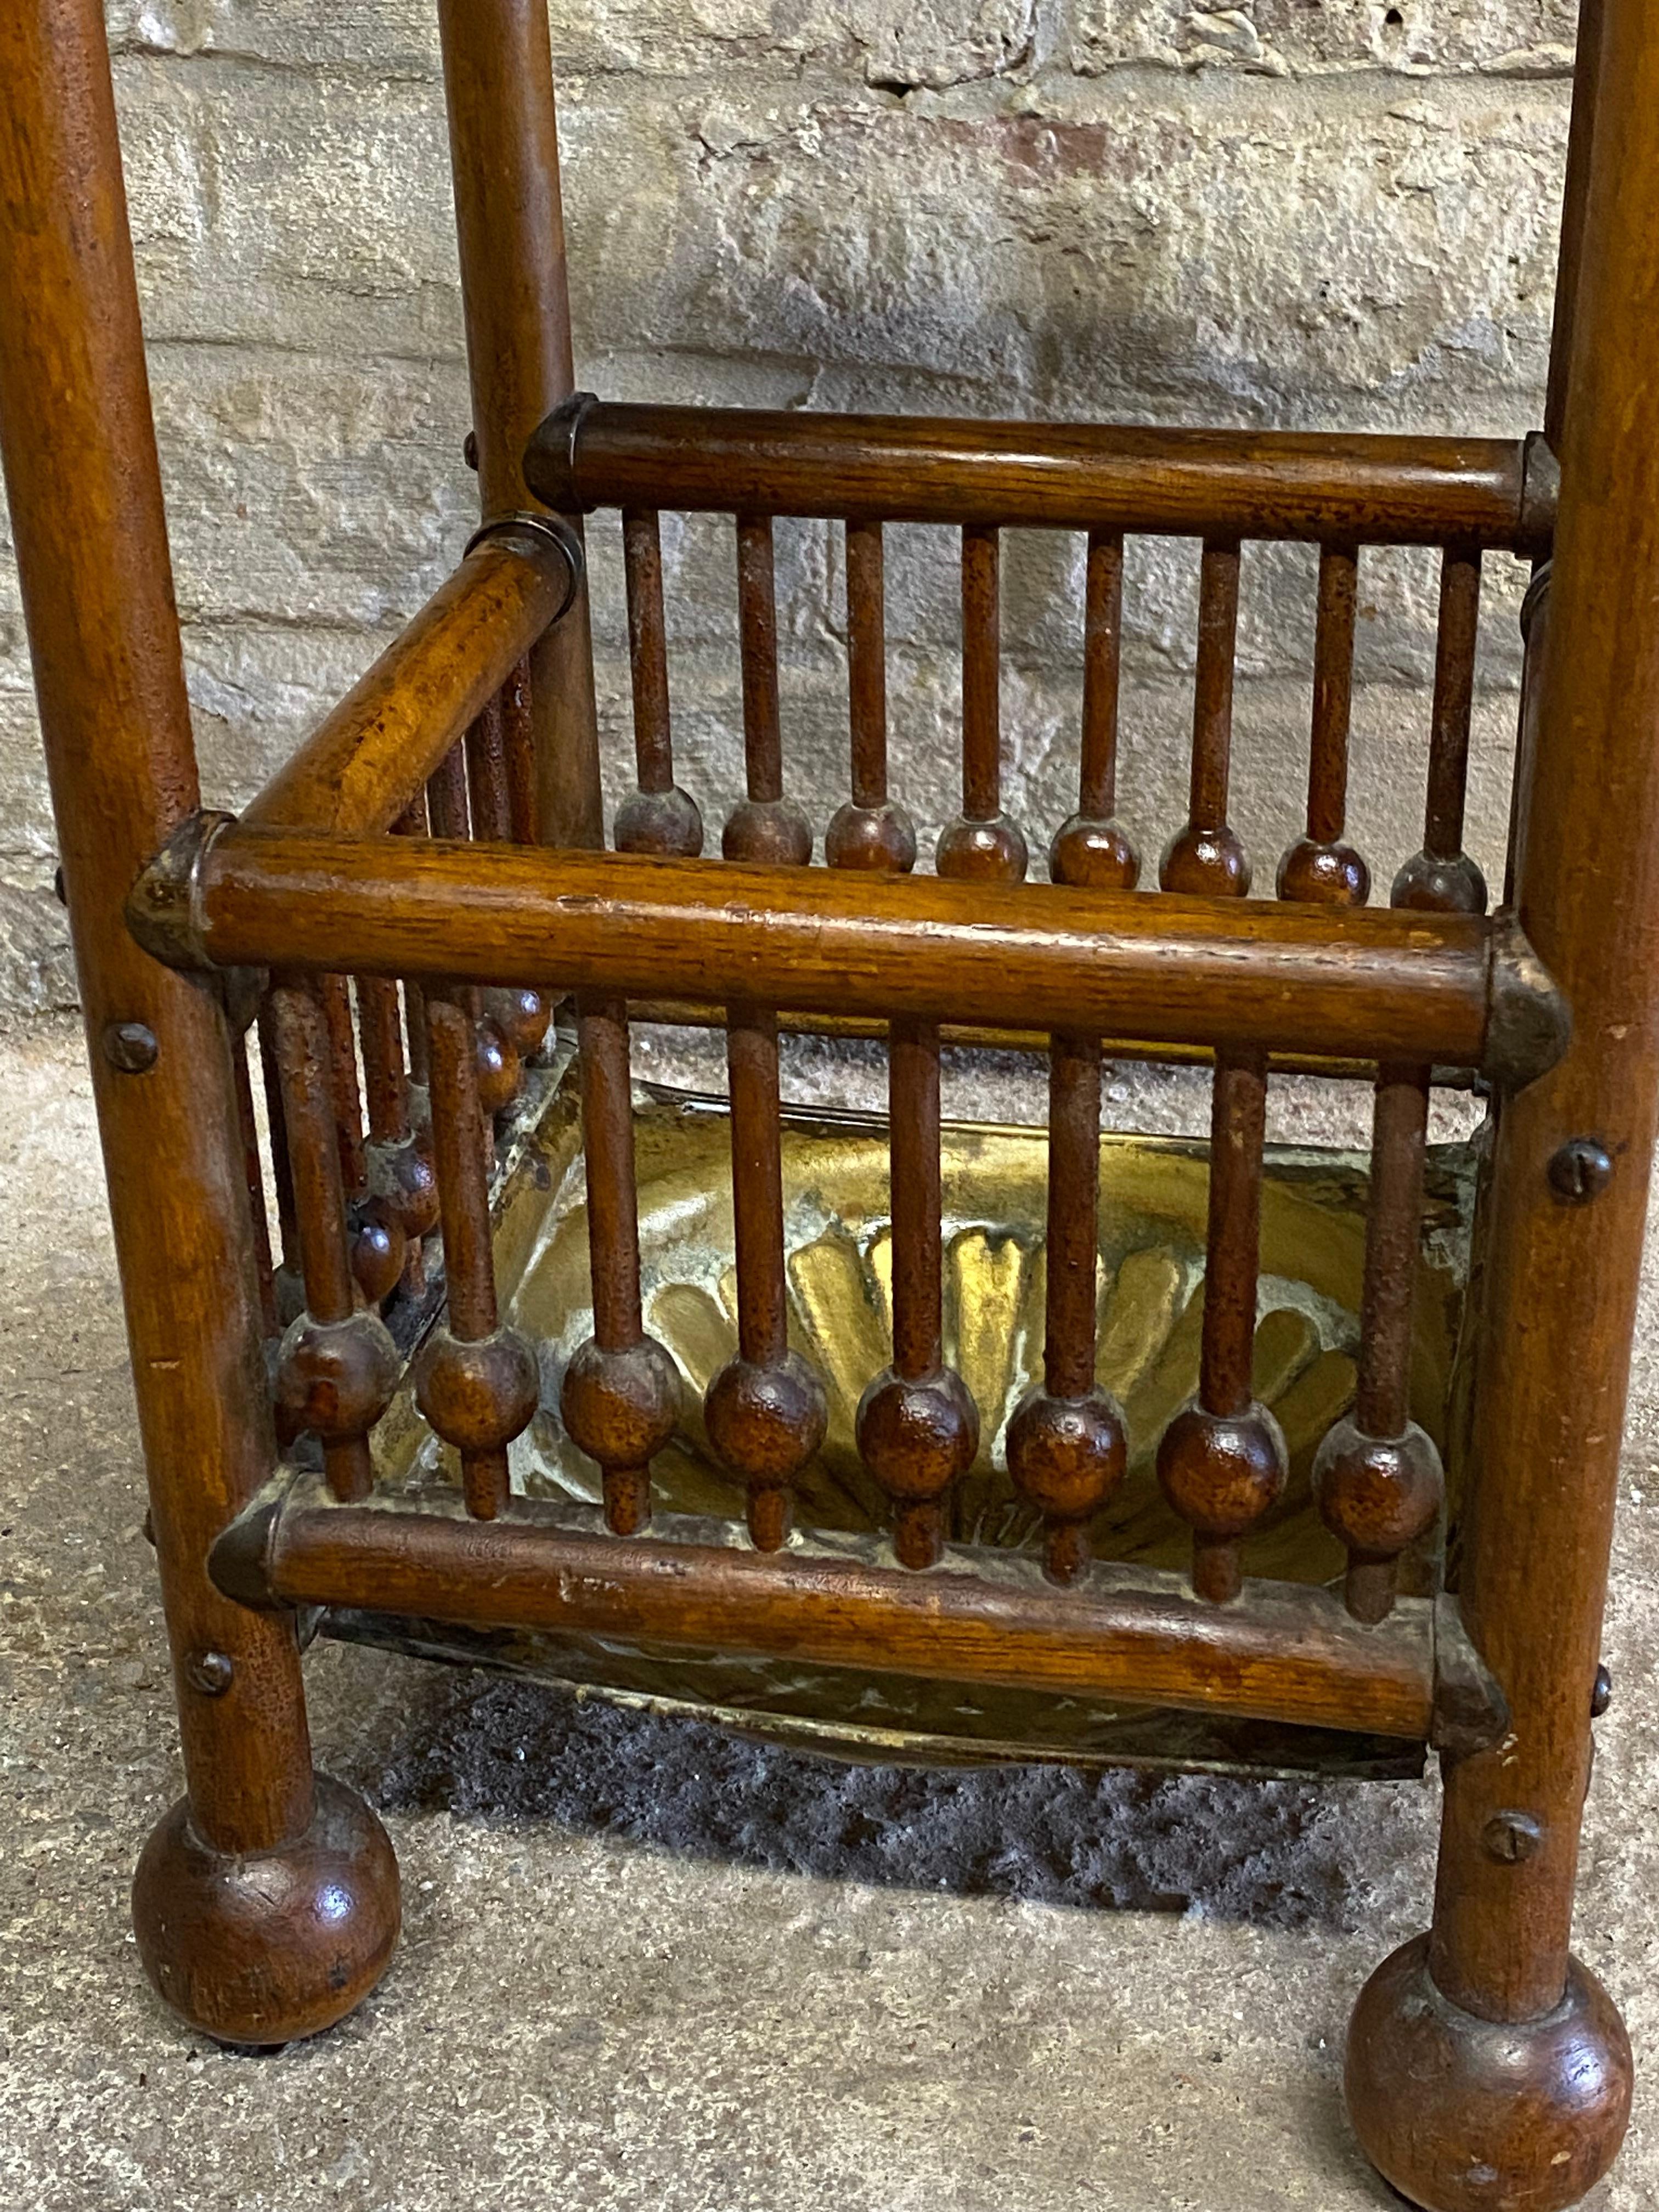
{"x":266,"y":1902}
{"x":1486,"y":2066}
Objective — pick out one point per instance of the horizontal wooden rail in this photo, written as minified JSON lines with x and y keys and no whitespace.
{"x":361,"y":766}
{"x":1449,"y":988}
{"x":1322,"y":486}
{"x":1284,"y":1652}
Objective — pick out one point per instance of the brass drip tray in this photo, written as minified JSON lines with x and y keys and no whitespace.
{"x":838,"y":1232}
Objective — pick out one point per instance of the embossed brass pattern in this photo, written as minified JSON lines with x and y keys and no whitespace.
{"x":1153,"y":1196}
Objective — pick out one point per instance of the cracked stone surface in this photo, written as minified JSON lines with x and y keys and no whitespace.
{"x":646,"y":1968}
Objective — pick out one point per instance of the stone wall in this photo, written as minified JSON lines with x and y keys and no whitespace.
{"x":1317,"y":212}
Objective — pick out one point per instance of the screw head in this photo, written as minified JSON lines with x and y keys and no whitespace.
{"x":1511,"y":1837}
{"x":1580,"y":1171}
{"x":209,"y":1672}
{"x":130,"y":1047}
{"x":470,"y":449}
{"x":59,"y":888}
{"x":1601,"y":1691}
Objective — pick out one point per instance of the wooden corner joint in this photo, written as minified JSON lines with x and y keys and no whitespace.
{"x":1471,"y":1712}
{"x":163,"y":907}
{"x":1528,"y":1020}
{"x":1540,"y":492}
{"x":545,"y":538}
{"x":550,"y":460}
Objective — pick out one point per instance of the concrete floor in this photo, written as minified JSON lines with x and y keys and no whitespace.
{"x":645,"y":1967}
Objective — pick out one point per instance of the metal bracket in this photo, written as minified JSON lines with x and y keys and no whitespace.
{"x":1540,"y":491}
{"x":535,"y":534}
{"x":163,"y":907}
{"x":1471,"y":1712}
{"x":1528,"y":1021}
{"x":550,"y":460}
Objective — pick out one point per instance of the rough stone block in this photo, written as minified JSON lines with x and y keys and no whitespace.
{"x":1296,"y":38}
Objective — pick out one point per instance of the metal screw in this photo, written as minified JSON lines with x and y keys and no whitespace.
{"x":1511,"y":1837}
{"x":209,"y":1672}
{"x":470,"y":450}
{"x":1601,"y":1694}
{"x":130,"y":1047}
{"x":59,"y":888}
{"x":1581,"y":1171}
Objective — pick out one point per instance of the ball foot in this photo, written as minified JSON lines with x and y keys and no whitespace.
{"x":1462,"y":2114}
{"x":268,"y":1949}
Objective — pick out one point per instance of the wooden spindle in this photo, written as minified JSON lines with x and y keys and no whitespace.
{"x":1067,"y":1447}
{"x":917,"y":1426}
{"x":1322,"y":868}
{"x":290,"y":1279}
{"x":338,"y":1366}
{"x":486,"y":776}
{"x":1092,"y":848}
{"x":1442,"y":879}
{"x":477,"y":1383}
{"x":658,"y":816}
{"x":870,"y":831}
{"x":1207,"y":857}
{"x":1222,"y":1461}
{"x":766,"y":1410}
{"x":621,"y":1398}
{"x":335,"y":994}
{"x":414,"y":822}
{"x":253,"y":1169}
{"x":398,"y":1174}
{"x":519,"y":1015}
{"x":764,"y":827}
{"x":447,"y":798}
{"x":499,"y":1065}
{"x":519,"y":744}
{"x":983,"y":842}
{"x":1378,"y":1477}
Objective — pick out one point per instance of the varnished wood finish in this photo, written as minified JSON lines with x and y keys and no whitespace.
{"x":1322,"y":867}
{"x":982,"y":844}
{"x":486,"y":774}
{"x":1442,"y":879}
{"x":263,"y":1947}
{"x":907,"y":468}
{"x":764,"y":828}
{"x":476,"y":1382}
{"x":367,"y":758}
{"x":1462,"y":2114}
{"x":1486,"y":2067}
{"x":1192,"y":971}
{"x":1289,"y":1651}
{"x":337,"y":1368}
{"x":621,"y":1393}
{"x":1587,"y":66}
{"x":917,"y":1426}
{"x":1207,"y":857}
{"x":1092,"y":850}
{"x":1378,"y":1476}
{"x":766,"y":1411}
{"x":504,"y":157}
{"x":658,"y":816}
{"x":1487,"y":2046}
{"x":870,"y":831}
{"x":1066,"y":1448}
{"x":1221,"y":1461}
{"x":334,"y":995}
{"x":85,"y":501}
{"x":1547,"y":1428}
